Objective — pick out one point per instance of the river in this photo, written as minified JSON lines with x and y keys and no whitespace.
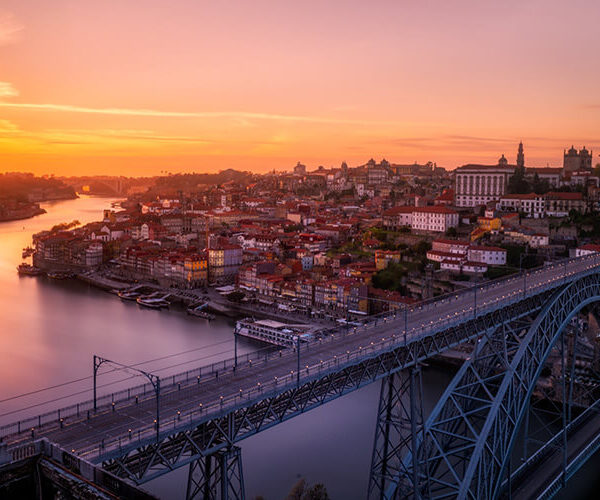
{"x":50,"y":330}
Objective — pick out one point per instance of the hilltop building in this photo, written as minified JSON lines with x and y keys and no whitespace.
{"x":574,"y":160}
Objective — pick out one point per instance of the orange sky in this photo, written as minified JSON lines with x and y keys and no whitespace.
{"x":136,"y":88}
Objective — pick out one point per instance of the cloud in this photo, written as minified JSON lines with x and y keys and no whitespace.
{"x":7,"y":90}
{"x":10,"y":28}
{"x":236,"y":115}
{"x":7,"y":127}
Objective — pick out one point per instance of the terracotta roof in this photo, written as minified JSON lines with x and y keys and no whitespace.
{"x":435,"y":210}
{"x":553,"y":195}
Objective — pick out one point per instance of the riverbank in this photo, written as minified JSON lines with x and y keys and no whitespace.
{"x":22,"y":212}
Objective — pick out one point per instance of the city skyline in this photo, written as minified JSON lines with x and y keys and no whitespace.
{"x":87,"y":89}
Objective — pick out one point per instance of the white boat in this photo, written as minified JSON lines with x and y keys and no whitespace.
{"x":128,"y":295}
{"x":274,"y":332}
{"x":153,"y":301}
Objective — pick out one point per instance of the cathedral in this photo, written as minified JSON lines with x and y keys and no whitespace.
{"x":574,"y":160}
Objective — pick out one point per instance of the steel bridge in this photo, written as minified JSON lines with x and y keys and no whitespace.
{"x":480,"y":441}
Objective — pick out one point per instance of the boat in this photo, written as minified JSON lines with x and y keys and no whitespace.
{"x":123,"y":295}
{"x":29,"y":270}
{"x":274,"y":332}
{"x":55,"y":275}
{"x":199,"y":312}
{"x":153,"y":303}
{"x":155,"y":300}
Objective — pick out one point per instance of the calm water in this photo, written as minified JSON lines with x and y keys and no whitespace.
{"x":50,"y":330}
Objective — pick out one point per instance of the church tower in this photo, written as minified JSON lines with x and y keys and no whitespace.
{"x":520,"y":156}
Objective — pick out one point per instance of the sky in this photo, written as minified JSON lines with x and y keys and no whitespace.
{"x":142,"y":88}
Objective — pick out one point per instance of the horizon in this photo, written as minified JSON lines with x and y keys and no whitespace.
{"x":112,"y":89}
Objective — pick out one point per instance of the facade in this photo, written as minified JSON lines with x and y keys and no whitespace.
{"x":520,"y":156}
{"x":480,"y":184}
{"x":587,"y":250}
{"x":435,"y":219}
{"x":397,"y":217}
{"x":493,"y":256}
{"x":552,"y":175}
{"x":559,"y":204}
{"x":574,"y":160}
{"x":533,"y":205}
{"x":93,"y":254}
{"x":223,"y":263}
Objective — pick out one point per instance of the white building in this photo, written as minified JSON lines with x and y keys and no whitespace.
{"x":480,"y":184}
{"x":397,"y":217}
{"x":533,"y":205}
{"x":587,"y":250}
{"x":434,"y":219}
{"x":493,"y":256}
{"x":93,"y":254}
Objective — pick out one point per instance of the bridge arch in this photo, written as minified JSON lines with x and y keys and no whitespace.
{"x":468,"y":438}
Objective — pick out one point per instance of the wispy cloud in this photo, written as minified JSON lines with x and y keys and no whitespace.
{"x":236,"y":115}
{"x":10,"y":28}
{"x":7,"y":127}
{"x":7,"y":90}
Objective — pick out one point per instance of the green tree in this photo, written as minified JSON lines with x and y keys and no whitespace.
{"x":451,"y":232}
{"x":517,"y":182}
{"x":540,"y":186}
{"x":389,"y":278}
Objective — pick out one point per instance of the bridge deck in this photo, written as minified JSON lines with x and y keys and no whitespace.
{"x":198,"y":399}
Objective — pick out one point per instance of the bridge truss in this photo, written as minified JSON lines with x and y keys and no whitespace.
{"x":466,"y":447}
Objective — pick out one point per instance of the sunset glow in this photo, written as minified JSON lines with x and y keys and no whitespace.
{"x":109,"y":87}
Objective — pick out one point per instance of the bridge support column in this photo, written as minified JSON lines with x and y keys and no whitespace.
{"x":217,"y":476}
{"x":399,"y":422}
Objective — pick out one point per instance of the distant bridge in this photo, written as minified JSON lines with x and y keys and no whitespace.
{"x":468,"y":447}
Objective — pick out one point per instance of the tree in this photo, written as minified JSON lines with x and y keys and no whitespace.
{"x":316,"y":492}
{"x":451,"y":231}
{"x":301,"y":491}
{"x":389,"y":278}
{"x":540,"y":186}
{"x":517,"y":182}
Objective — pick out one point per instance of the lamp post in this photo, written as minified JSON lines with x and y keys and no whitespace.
{"x":521,"y":256}
{"x":154,"y":380}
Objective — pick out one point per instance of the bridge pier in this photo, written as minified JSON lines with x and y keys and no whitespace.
{"x":217,"y":476}
{"x":399,"y":423}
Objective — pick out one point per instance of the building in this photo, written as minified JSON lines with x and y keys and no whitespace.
{"x":587,"y":250}
{"x":300,"y":169}
{"x":223,"y":263}
{"x":383,"y":258}
{"x":434,"y":219}
{"x":396,"y":217}
{"x":520,"y":156}
{"x":493,"y":256}
{"x":550,"y":174}
{"x":559,"y":204}
{"x":532,"y":205}
{"x":480,"y":184}
{"x":574,"y":160}
{"x":93,"y":254}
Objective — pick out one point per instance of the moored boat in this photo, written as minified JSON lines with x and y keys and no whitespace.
{"x":29,"y":270}
{"x":56,"y":275}
{"x":199,"y":312}
{"x":123,"y":295}
{"x":153,"y":303}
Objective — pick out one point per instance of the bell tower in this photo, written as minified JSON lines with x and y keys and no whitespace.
{"x":520,"y":156}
